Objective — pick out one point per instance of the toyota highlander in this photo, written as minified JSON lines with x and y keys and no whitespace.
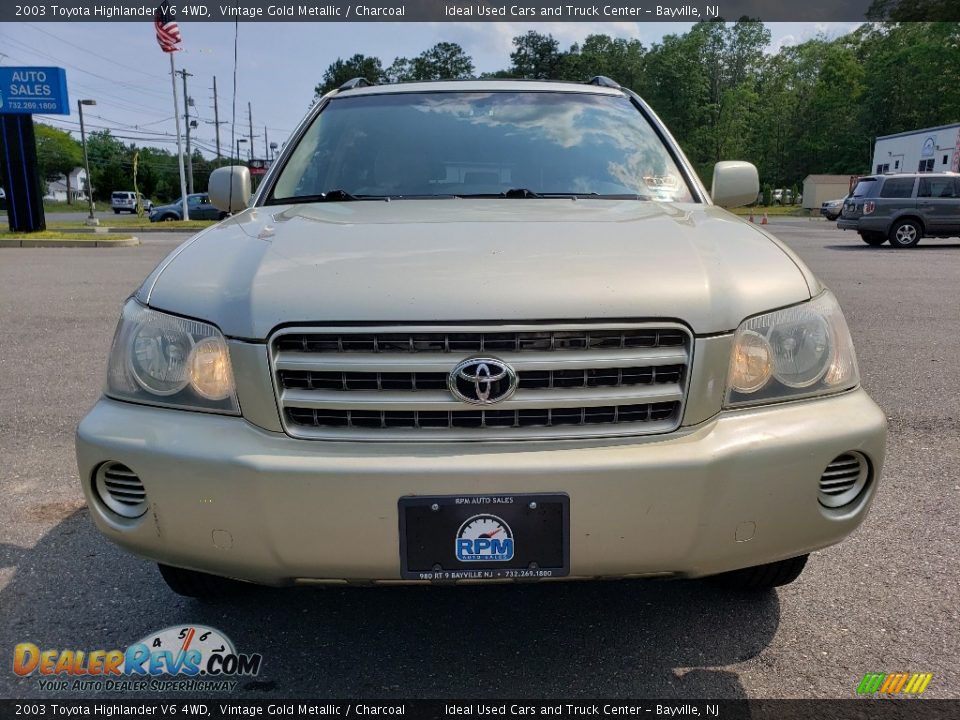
{"x":480,"y":331}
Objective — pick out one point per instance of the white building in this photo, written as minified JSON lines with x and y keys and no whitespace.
{"x":929,"y":150}
{"x":817,"y":189}
{"x":57,"y":189}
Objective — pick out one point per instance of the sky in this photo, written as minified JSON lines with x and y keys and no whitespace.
{"x":121,"y":67}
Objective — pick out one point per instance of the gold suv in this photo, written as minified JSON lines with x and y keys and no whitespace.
{"x":480,"y":331}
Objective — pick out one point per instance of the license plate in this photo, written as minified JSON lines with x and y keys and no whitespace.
{"x":484,"y":537}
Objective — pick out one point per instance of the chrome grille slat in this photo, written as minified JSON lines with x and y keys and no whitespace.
{"x":442,"y":400}
{"x":391,"y":382}
{"x":441,"y":362}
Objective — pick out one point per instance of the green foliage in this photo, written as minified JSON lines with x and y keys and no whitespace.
{"x":341,"y":71}
{"x":536,"y":57}
{"x":444,"y":61}
{"x":767,"y":195}
{"x":57,"y":154}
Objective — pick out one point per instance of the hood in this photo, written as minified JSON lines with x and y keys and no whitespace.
{"x":464,"y":260}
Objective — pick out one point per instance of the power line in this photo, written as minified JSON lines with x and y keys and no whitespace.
{"x":26,"y":48}
{"x":90,"y":52}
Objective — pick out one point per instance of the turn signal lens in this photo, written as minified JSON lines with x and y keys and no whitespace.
{"x":752,"y":364}
{"x":210,"y":373}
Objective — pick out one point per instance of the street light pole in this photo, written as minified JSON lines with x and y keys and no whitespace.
{"x":91,"y":220}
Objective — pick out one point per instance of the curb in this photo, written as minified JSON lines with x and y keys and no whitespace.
{"x":107,"y":230}
{"x":27,"y":243}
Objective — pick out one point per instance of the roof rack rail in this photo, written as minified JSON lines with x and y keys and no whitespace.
{"x":355,"y":83}
{"x":604,"y":81}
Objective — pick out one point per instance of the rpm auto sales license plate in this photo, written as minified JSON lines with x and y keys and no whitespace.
{"x":484,"y":537}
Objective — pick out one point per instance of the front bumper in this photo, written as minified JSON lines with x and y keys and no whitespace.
{"x":229,"y":498}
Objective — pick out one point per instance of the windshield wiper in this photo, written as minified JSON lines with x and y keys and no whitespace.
{"x":511,"y":194}
{"x":336,"y":195}
{"x":521,"y":193}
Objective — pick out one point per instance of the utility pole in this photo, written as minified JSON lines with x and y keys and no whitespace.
{"x":250,"y":119}
{"x":186,"y":114}
{"x":266,"y":145}
{"x":216,"y":115}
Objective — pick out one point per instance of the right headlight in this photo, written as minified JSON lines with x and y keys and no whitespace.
{"x":162,"y":359}
{"x":800,"y":351}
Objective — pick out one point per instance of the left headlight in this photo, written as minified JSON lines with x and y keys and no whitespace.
{"x":800,"y":351}
{"x":162,"y":359}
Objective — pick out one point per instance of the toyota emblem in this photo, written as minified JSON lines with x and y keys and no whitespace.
{"x":482,"y":381}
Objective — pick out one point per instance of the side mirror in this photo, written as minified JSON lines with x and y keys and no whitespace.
{"x":735,"y":183}
{"x":229,"y":188}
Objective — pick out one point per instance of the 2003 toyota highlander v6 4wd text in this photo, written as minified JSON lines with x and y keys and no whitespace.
{"x":476,"y":331}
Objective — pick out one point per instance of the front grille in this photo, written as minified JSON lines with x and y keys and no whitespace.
{"x":843,"y":480}
{"x":391,"y":383}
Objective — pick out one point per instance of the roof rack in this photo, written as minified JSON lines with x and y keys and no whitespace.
{"x":355,"y":83}
{"x":604,"y":81}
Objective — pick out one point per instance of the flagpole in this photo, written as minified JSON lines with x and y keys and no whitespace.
{"x":176,"y":117}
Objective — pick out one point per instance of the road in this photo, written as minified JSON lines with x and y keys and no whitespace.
{"x":885,"y":600}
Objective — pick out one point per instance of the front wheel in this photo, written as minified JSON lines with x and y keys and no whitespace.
{"x":873,"y":238}
{"x":905,"y":234}
{"x":763,"y":577}
{"x":202,"y":586}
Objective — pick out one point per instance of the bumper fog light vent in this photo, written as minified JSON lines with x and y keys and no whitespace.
{"x":119,"y":488}
{"x":843,"y":480}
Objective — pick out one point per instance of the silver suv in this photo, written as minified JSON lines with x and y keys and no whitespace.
{"x":903,"y":208}
{"x":480,"y":331}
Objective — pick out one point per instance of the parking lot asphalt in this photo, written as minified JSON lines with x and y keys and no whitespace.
{"x":885,"y":600}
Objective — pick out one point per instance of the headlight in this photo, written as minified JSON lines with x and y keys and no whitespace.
{"x":799,"y":351}
{"x":162,"y":359}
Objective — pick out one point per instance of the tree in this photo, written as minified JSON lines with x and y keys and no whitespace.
{"x":536,"y":57}
{"x":444,"y":61}
{"x":617,"y":58}
{"x":340,"y":71}
{"x":110,"y":164}
{"x":57,"y":154}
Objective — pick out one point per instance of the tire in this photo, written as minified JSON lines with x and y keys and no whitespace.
{"x":873,"y":238}
{"x":202,"y":586}
{"x":116,"y":212}
{"x":169,"y":218}
{"x":221,"y":216}
{"x":763,"y":577}
{"x":906,"y":233}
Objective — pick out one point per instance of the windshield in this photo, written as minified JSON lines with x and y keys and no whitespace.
{"x":480,"y":144}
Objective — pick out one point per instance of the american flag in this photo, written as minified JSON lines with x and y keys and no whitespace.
{"x":168,"y":32}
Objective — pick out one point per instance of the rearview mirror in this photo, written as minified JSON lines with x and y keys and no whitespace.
{"x":735,"y":183}
{"x":229,"y":188}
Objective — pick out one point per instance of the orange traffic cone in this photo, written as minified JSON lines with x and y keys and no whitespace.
{"x":763,"y":220}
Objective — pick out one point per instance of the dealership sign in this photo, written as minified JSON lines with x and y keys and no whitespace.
{"x":28,"y":90}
